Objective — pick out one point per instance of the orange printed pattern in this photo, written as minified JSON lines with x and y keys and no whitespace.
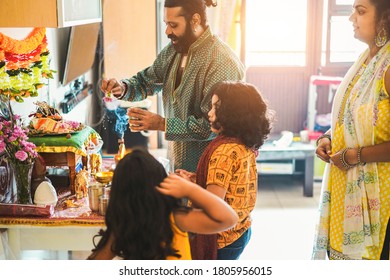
{"x":233,"y":167}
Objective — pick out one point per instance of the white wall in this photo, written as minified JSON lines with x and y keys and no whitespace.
{"x":54,"y":92}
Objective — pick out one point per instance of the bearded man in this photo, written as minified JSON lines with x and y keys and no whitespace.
{"x":185,"y":70}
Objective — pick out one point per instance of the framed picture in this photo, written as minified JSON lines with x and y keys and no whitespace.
{"x":7,"y":192}
{"x":5,"y":107}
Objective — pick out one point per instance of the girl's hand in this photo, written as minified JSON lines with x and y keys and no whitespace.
{"x":175,"y":186}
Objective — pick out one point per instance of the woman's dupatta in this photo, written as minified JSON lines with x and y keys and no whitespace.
{"x":362,"y":204}
{"x":205,"y":246}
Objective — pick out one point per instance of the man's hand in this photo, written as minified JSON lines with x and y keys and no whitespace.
{"x":112,"y":86}
{"x":140,"y":119}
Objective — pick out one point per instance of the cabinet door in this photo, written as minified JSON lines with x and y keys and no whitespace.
{"x":130,"y":42}
{"x":77,"y":12}
{"x":49,"y":13}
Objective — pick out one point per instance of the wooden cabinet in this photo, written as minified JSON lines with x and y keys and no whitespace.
{"x":49,"y":13}
{"x":130,"y":41}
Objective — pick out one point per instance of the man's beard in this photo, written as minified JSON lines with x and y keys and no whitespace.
{"x":185,"y":41}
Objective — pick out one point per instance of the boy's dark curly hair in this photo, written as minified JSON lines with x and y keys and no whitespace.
{"x":138,"y":216}
{"x":242,"y":113}
{"x":191,"y":7}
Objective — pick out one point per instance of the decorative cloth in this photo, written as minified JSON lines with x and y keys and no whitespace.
{"x":74,"y":216}
{"x":77,"y":143}
{"x":356,"y":106}
{"x":204,"y":246}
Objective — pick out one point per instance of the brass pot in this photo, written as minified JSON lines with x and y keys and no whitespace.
{"x":104,"y":177}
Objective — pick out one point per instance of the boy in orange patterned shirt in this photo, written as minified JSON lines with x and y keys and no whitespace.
{"x":227,"y":168}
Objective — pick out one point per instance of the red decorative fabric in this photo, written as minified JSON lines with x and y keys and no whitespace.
{"x":79,"y":215}
{"x":204,"y":246}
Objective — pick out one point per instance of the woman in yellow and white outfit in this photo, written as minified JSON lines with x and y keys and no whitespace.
{"x":355,"y":203}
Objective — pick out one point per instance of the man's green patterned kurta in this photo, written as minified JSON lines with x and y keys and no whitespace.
{"x":187,"y":127}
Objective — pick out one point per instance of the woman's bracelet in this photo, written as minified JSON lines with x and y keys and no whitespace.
{"x":359,"y":156}
{"x":322,"y":137}
{"x":343,"y":160}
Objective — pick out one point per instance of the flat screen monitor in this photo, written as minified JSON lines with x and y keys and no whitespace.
{"x":81,"y":51}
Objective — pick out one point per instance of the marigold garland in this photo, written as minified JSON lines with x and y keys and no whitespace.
{"x":32,"y":41}
{"x":24,"y":64}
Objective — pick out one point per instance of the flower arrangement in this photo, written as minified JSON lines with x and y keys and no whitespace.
{"x":24,"y":64}
{"x":20,"y":153}
{"x":14,"y":141}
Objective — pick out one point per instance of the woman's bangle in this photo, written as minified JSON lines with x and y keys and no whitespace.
{"x":359,"y":156}
{"x":343,"y":160}
{"x":322,"y":137}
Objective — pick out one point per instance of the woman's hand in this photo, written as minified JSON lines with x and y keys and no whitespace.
{"x":350,"y":157}
{"x":335,"y":159}
{"x":324,"y":149}
{"x":112,"y":86}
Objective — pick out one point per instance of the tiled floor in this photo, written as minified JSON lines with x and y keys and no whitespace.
{"x":283,"y":223}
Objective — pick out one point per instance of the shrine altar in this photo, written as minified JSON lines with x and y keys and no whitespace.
{"x":70,"y":229}
{"x":66,"y":149}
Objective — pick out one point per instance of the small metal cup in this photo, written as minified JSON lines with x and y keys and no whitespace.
{"x":94,"y":191}
{"x":103,"y":202}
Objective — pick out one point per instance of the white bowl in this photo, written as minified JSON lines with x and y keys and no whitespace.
{"x":45,"y":194}
{"x":145,"y":104}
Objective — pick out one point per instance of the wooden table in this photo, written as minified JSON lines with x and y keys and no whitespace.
{"x":69,"y":159}
{"x":281,"y":157}
{"x":67,"y":230}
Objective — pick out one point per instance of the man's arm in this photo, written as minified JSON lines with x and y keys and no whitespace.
{"x":197,"y":128}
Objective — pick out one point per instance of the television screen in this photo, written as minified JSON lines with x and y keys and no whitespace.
{"x":81,"y":51}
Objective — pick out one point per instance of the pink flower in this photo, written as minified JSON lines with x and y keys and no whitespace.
{"x":21,"y":155}
{"x":107,"y":99}
{"x":18,"y":132}
{"x":14,"y":141}
{"x":2,"y":146}
{"x":74,"y":125}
